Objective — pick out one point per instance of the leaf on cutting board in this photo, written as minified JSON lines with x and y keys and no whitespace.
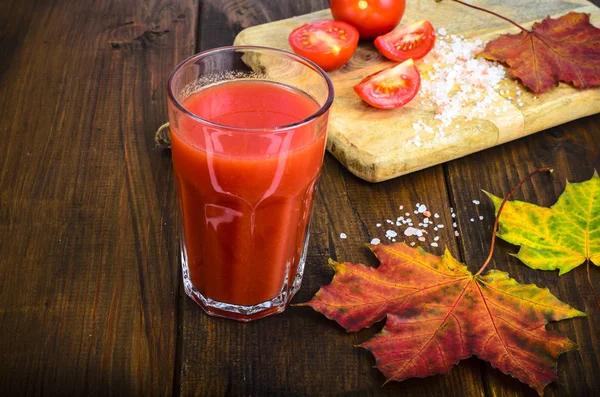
{"x":439,"y":313}
{"x":561,"y":237}
{"x":565,"y":49}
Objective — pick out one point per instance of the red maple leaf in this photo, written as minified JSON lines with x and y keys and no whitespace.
{"x":565,"y":49}
{"x":439,"y":313}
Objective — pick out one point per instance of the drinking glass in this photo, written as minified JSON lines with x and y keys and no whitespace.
{"x":248,"y":129}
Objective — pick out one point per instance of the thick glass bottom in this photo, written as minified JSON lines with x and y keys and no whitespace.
{"x":239,"y":312}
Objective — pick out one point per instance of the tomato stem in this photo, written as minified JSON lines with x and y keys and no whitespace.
{"x":496,"y":223}
{"x":493,"y":13}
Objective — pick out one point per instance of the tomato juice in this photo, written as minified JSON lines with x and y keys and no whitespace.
{"x":245,"y":177}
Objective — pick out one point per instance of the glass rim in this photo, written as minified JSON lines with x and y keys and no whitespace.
{"x":321,"y":111}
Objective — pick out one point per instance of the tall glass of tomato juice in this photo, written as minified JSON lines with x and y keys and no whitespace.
{"x":248,"y":133}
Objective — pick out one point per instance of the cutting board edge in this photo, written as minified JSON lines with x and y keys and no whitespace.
{"x":374,"y":168}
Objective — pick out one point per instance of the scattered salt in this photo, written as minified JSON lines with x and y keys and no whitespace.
{"x":421,"y":239}
{"x":434,"y":244}
{"x":436,"y":215}
{"x":343,"y":235}
{"x":457,"y":81}
{"x":436,"y":238}
{"x":481,"y":217}
{"x":375,"y":241}
{"x":456,"y":233}
{"x":412,"y":244}
{"x":472,"y":220}
{"x":378,"y":224}
{"x":476,"y":202}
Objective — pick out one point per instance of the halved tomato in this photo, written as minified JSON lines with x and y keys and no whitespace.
{"x":392,"y":87}
{"x":329,"y":44}
{"x":411,"y":41}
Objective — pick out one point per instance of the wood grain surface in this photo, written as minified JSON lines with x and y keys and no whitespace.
{"x":91,"y":299}
{"x":374,"y":145}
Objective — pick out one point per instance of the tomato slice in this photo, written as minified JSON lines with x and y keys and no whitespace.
{"x":411,"y":41}
{"x":392,"y":87}
{"x":329,"y":44}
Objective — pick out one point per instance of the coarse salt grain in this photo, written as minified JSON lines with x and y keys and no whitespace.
{"x":378,"y":224}
{"x":456,"y":233}
{"x":476,"y":202}
{"x":436,"y":238}
{"x":480,"y":217}
{"x":375,"y":241}
{"x":434,"y":244}
{"x":390,"y":234}
{"x":411,"y":231}
{"x":421,"y":239}
{"x":472,"y":220}
{"x":343,"y":235}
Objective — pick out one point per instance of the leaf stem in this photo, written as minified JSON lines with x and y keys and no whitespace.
{"x":589,"y":278}
{"x":493,"y":13}
{"x":496,"y":224}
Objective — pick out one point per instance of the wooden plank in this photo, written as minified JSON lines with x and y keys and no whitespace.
{"x":374,"y":144}
{"x":300,"y":352}
{"x":88,"y":263}
{"x":573,"y":151}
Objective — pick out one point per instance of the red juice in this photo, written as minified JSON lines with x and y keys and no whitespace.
{"x":245,"y":195}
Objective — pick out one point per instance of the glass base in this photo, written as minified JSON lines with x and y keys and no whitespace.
{"x":239,"y":312}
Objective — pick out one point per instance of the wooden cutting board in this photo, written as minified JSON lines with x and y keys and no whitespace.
{"x":374,"y":144}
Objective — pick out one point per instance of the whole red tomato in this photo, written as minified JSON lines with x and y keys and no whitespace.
{"x":371,"y":18}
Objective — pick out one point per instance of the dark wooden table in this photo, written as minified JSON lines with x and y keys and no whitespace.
{"x":91,"y":298}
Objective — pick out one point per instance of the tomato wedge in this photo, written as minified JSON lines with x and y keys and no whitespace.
{"x":392,"y":87}
{"x":329,"y":44}
{"x":411,"y":41}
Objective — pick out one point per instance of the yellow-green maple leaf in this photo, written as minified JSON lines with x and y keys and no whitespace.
{"x":561,"y":237}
